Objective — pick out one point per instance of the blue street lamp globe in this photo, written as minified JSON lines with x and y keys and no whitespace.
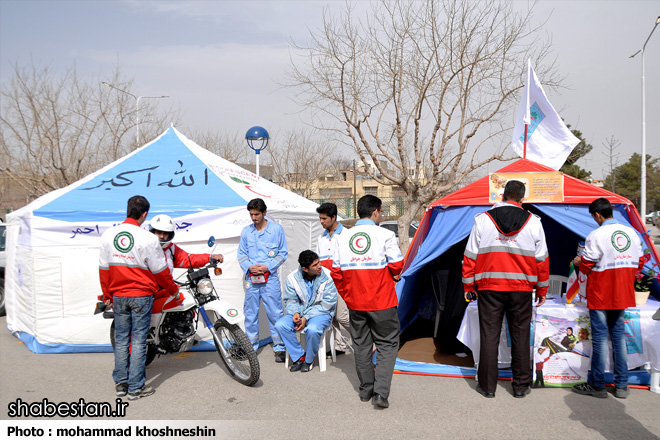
{"x":257,"y":138}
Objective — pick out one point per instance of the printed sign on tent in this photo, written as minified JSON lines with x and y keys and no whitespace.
{"x":539,"y":187}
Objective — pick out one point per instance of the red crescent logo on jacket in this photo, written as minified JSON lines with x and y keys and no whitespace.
{"x":360,"y":243}
{"x":620,"y":241}
{"x":124,"y":242}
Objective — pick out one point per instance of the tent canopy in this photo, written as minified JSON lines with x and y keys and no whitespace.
{"x":52,"y":262}
{"x":441,"y":238}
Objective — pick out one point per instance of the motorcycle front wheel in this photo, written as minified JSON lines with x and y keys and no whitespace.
{"x":151,"y":347}
{"x":236,"y":352}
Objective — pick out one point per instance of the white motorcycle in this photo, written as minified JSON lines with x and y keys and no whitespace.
{"x":174,"y":324}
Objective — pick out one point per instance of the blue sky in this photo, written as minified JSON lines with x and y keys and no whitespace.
{"x":220,"y":61}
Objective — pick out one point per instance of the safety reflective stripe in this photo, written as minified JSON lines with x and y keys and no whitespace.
{"x":138,"y":266}
{"x":468,"y":280}
{"x":542,"y":257}
{"x":470,"y":254}
{"x":543,"y":283}
{"x":508,"y":250}
{"x":159,"y":270}
{"x":298,"y":288}
{"x":326,"y":305}
{"x":369,"y":265}
{"x":506,"y":276}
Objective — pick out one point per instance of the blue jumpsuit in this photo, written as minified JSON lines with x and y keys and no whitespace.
{"x":263,"y":247}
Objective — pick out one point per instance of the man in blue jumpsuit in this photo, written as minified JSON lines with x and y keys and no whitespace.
{"x":261,"y":252}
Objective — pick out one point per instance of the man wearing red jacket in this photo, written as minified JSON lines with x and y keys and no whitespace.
{"x":132,"y":268}
{"x":612,"y":256}
{"x":506,"y":257}
{"x":365,"y":260}
{"x":163,"y":227}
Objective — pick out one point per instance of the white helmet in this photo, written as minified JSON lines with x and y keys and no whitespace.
{"x":163,"y":223}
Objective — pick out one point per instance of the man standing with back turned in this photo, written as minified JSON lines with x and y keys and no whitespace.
{"x":612,"y":256}
{"x":505,"y":259}
{"x":131,"y":268}
{"x":366,"y":258}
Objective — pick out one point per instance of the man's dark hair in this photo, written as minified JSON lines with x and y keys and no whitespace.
{"x":601,"y":206}
{"x":329,"y":209}
{"x":569,"y":328}
{"x":514,"y":190}
{"x":137,"y":205}
{"x":306,"y":258}
{"x":257,"y":204}
{"x":367,"y":204}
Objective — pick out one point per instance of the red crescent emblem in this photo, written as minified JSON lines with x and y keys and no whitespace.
{"x":617,"y":240}
{"x":122,"y":241}
{"x":357,"y":242}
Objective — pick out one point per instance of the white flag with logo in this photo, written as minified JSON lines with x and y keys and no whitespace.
{"x":549,"y":141}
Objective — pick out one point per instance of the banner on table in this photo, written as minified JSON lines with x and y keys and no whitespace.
{"x":562,"y":350}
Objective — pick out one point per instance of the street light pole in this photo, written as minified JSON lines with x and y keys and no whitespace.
{"x":253,"y":136}
{"x":643,"y":170}
{"x":137,"y":107}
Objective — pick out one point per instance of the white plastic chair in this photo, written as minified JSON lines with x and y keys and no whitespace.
{"x":329,"y":332}
{"x":556,"y":282}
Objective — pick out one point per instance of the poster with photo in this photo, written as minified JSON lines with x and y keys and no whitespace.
{"x":562,"y":350}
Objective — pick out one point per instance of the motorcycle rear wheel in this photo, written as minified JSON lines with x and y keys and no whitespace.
{"x":151,"y":347}
{"x":236,"y":352}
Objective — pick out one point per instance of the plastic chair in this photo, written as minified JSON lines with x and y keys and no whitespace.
{"x":329,"y":332}
{"x":556,"y":285}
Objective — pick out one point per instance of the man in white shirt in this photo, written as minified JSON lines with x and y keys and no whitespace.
{"x":325,"y":248}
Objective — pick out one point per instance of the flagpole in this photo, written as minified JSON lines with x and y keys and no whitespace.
{"x":525,"y":144}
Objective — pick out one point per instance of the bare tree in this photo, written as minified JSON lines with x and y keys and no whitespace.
{"x":303,"y":162}
{"x":421,"y":85}
{"x":228,"y":146}
{"x":56,"y":129}
{"x":611,"y":145}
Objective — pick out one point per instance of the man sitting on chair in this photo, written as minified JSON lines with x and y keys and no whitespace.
{"x":310,"y":298}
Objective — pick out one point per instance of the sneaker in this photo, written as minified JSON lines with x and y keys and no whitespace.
{"x":280,"y":357}
{"x":121,"y":389}
{"x":297,"y":365}
{"x":144,"y":392}
{"x":306,"y":367}
{"x":588,"y":390}
{"x":621,"y":393}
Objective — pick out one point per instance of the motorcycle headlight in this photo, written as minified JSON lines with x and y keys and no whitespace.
{"x":205,"y":287}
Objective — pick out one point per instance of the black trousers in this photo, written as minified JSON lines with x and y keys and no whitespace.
{"x":517,"y":306}
{"x":380,"y":327}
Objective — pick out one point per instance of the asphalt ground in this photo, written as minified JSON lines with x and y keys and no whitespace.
{"x":194,"y":387}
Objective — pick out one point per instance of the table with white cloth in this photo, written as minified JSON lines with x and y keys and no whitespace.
{"x":642,"y":333}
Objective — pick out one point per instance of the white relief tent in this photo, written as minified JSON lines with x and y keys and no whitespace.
{"x":52,"y":280}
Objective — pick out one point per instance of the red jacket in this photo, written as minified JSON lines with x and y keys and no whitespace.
{"x":612,"y":257}
{"x":365,"y":259}
{"x":131,"y":262}
{"x":506,"y":251}
{"x":177,"y":257}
